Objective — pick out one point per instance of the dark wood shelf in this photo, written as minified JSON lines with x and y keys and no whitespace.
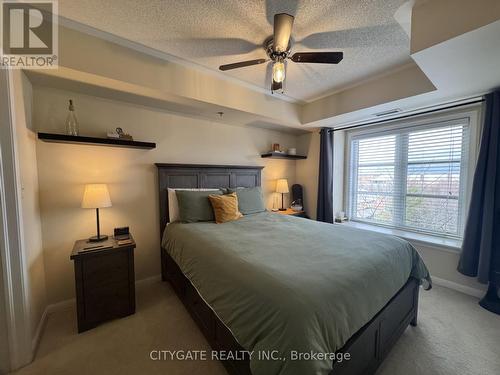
{"x":63,"y":138}
{"x":279,"y":155}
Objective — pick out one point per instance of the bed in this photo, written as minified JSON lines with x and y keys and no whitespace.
{"x":296,"y":289}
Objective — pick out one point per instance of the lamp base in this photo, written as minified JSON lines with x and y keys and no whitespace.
{"x":99,"y":238}
{"x":281,"y":209}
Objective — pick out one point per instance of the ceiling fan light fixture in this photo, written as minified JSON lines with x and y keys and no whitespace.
{"x":278,"y":71}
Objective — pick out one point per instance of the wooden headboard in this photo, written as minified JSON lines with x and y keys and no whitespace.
{"x":202,"y":176}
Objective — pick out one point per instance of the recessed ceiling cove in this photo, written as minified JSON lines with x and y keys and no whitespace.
{"x":215,"y":33}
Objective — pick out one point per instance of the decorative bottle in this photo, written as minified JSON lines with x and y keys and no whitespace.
{"x":71,"y":121}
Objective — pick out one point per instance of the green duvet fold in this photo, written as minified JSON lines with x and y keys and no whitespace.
{"x":285,"y":285}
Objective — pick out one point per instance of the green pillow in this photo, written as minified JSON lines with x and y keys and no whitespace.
{"x":194,"y":205}
{"x":250,"y":200}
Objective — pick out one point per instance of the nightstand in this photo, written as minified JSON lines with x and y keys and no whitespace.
{"x":291,"y":212}
{"x":105,"y":281}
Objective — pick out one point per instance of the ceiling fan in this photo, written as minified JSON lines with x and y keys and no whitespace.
{"x":278,"y":50}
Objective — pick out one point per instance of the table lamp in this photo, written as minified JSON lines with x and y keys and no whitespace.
{"x":96,"y":196}
{"x":282,"y":188}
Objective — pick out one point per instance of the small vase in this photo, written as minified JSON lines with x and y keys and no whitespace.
{"x":71,"y":121}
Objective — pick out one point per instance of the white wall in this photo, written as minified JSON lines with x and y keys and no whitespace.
{"x":442,"y":263}
{"x":428,"y":28}
{"x":4,"y":344}
{"x":307,"y":171}
{"x":25,"y":138}
{"x":363,"y":99}
{"x":4,"y":340}
{"x":189,"y":88}
{"x":63,"y":169}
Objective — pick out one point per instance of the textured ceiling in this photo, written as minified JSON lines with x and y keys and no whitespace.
{"x":211,"y":33}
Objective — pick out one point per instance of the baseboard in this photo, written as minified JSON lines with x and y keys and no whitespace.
{"x":147,"y":281}
{"x":61,"y":306}
{"x":459,"y":287}
{"x":50,"y":309}
{"x":38,"y":333}
{"x":70,"y":303}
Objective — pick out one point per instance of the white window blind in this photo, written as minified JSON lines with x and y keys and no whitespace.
{"x":410,"y":178}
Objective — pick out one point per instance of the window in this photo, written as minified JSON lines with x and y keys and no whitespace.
{"x":411,"y":178}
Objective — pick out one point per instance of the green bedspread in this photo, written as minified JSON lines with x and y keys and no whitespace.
{"x":291,"y":284}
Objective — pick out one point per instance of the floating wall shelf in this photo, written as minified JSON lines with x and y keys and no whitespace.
{"x":279,"y":155}
{"x":63,"y":138}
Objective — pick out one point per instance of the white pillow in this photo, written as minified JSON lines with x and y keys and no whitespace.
{"x":173,"y":204}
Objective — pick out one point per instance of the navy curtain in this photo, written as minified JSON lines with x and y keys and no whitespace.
{"x":481,"y":245}
{"x":325,"y":183}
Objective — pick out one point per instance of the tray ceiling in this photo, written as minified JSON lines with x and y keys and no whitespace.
{"x":211,"y":33}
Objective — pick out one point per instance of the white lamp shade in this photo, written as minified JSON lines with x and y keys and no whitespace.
{"x":96,"y":196}
{"x":282,"y":186}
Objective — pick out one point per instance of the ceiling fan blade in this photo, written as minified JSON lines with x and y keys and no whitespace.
{"x":279,"y":6}
{"x":242,"y":64}
{"x":318,"y":57}
{"x":282,"y":30}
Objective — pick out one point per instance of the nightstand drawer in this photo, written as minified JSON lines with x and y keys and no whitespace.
{"x":106,"y":268}
{"x":107,"y":302}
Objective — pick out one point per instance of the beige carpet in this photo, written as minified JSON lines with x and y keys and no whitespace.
{"x":454,"y":336}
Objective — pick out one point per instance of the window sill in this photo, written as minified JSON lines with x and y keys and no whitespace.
{"x":417,"y":239}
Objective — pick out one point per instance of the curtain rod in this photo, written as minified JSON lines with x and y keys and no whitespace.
{"x":410,"y":115}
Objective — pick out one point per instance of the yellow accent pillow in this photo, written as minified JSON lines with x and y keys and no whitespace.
{"x":225,"y":207}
